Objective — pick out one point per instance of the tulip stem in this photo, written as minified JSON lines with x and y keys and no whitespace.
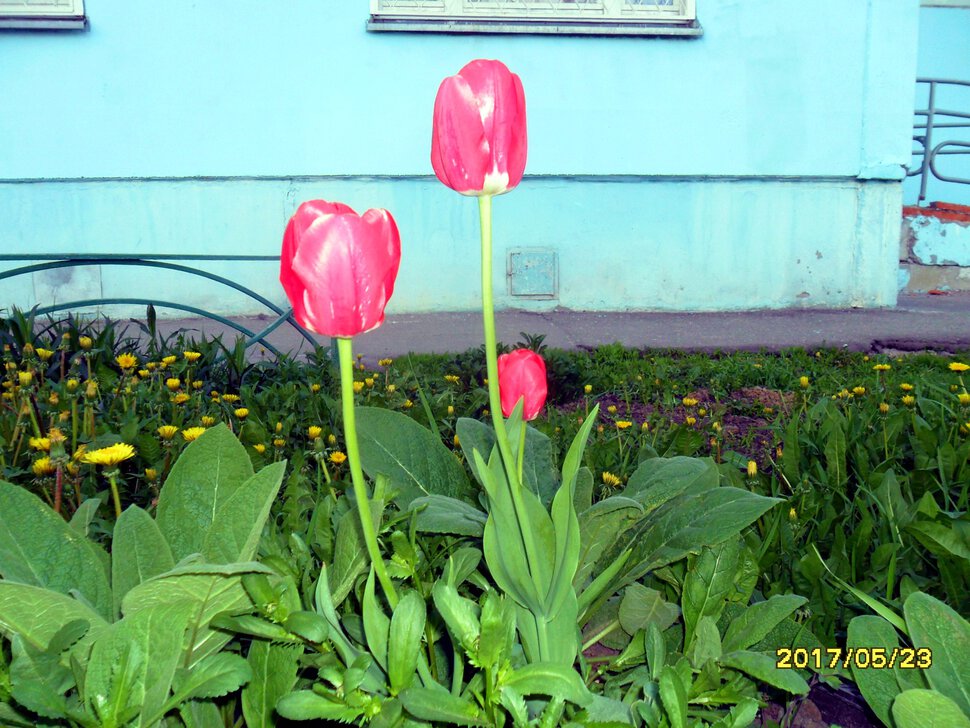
{"x":494,"y":397}
{"x":346,"y":356}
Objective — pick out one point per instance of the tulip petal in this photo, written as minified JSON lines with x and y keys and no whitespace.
{"x":459,"y":148}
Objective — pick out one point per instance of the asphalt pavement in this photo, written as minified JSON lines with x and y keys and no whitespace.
{"x":918,"y":322}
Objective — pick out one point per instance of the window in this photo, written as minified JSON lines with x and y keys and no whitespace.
{"x":601,"y":17}
{"x":42,"y":14}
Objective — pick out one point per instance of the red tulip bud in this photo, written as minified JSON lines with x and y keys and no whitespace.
{"x":478,"y":142}
{"x":338,"y":268}
{"x":522,"y":374}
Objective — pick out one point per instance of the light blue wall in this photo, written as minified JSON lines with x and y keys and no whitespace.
{"x":944,"y":52}
{"x":755,"y":167}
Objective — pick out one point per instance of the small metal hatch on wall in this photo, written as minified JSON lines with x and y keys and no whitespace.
{"x":533,"y":273}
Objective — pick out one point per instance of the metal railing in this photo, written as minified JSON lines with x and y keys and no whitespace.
{"x":54,"y":261}
{"x":934,"y":119}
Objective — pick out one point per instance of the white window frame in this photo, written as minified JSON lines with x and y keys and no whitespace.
{"x":607,"y":17}
{"x":42,"y":15}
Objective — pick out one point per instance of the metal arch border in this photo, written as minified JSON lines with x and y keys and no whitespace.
{"x":66,"y":261}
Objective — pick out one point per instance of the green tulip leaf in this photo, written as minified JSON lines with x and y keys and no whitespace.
{"x":441,"y":514}
{"x":935,"y":626}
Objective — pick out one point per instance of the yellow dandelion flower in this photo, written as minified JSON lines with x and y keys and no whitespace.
{"x":909,"y":400}
{"x":25,"y":378}
{"x":451,"y":410}
{"x":689,"y":401}
{"x":191,"y":355}
{"x":716,"y":426}
{"x":314,"y":388}
{"x":197,"y":384}
{"x":151,"y":473}
{"x":85,"y":342}
{"x":858,"y":391}
{"x":702,"y":411}
{"x":167,"y":432}
{"x":144,"y":373}
{"x":44,"y":354}
{"x":279,"y":427}
{"x":358,"y":387}
{"x":40,"y":443}
{"x":331,"y":439}
{"x":452,"y":378}
{"x":964,"y":398}
{"x":242,"y":413}
{"x":369,"y":381}
{"x":337,"y":457}
{"x":611,"y":409}
{"x":43,"y":467}
{"x":127,"y":361}
{"x":623,"y":424}
{"x":884,"y":408}
{"x":906,"y":387}
{"x":79,"y":453}
{"x":600,"y":428}
{"x":408,"y":404}
{"x":456,"y":441}
{"x":259,"y":447}
{"x":181,"y":398}
{"x":229,"y":397}
{"x":792,"y":514}
{"x":752,"y":469}
{"x":385,"y":362}
{"x":170,"y":359}
{"x":151,"y":366}
{"x":111,"y":455}
{"x":645,"y":426}
{"x":588,"y":389}
{"x":691,"y":421}
{"x":611,"y":480}
{"x":956,"y":366}
{"x":391,"y":388}
{"x":173,"y":383}
{"x":881,"y":367}
{"x":804,"y":382}
{"x":314,"y":431}
{"x":192,"y":433}
{"x":279,"y":442}
{"x":208,"y":421}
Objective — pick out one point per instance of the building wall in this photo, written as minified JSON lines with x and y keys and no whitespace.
{"x":758,"y":166}
{"x":944,"y":40}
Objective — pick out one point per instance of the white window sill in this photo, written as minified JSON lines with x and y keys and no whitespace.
{"x":35,"y":23}
{"x":534,"y":27}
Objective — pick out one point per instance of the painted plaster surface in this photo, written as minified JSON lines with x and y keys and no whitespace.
{"x":940,"y":242}
{"x":944,"y":37}
{"x":647,"y":245}
{"x":185,"y":88}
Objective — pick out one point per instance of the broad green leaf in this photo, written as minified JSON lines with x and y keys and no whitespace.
{"x":377,"y":626}
{"x":556,"y":681}
{"x":940,"y":539}
{"x":685,"y":525}
{"x":584,"y":489}
{"x":139,"y":552}
{"x":928,"y":709}
{"x":274,"y":670}
{"x":658,"y":480}
{"x":599,"y":526}
{"x":307,"y":705}
{"x":207,"y":595}
{"x":211,"y":677}
{"x":309,"y":625}
{"x":709,"y":580}
{"x":642,"y":606}
{"x":460,"y":614}
{"x":404,"y":640}
{"x":84,"y":516}
{"x":39,"y":548}
{"x":741,"y":715}
{"x":349,"y":557}
{"x":934,"y":625}
{"x":764,"y":668}
{"x":38,"y":681}
{"x":239,"y":520}
{"x":204,"y":477}
{"x":606,"y":712}
{"x":38,"y":614}
{"x":832,"y":431}
{"x":707,"y":642}
{"x":758,"y":619}
{"x":416,"y":461}
{"x":878,"y":686}
{"x":441,"y":514}
{"x":673,"y":696}
{"x":498,"y":631}
{"x":200,"y":714}
{"x":155,"y":635}
{"x":437,"y":704}
{"x":115,"y":700}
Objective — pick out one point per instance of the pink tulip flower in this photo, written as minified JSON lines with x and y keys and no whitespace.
{"x":478,"y":142}
{"x":338,"y":268}
{"x":522,"y":374}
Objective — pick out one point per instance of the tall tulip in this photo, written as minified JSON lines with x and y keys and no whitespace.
{"x":522,"y":375}
{"x":478,"y":142}
{"x":338,"y":268}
